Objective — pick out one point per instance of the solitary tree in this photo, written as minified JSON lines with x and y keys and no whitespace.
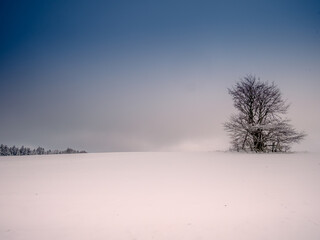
{"x":259,"y":125}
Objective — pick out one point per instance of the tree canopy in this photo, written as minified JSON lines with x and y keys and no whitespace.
{"x":259,"y":125}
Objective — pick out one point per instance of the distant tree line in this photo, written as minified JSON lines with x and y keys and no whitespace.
{"x":16,"y":151}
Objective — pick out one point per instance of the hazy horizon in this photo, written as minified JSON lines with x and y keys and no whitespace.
{"x":150,"y":76}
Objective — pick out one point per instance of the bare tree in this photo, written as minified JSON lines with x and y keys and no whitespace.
{"x":259,"y":125}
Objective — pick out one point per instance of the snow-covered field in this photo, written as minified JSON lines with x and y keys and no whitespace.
{"x":167,"y":196}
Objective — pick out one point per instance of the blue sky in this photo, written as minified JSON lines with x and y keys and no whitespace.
{"x":150,"y":75}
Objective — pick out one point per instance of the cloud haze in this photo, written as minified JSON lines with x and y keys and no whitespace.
{"x":144,"y":76}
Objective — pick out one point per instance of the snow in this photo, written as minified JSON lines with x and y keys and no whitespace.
{"x":160,"y":196}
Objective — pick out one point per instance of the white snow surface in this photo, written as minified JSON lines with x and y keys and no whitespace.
{"x":167,"y":196}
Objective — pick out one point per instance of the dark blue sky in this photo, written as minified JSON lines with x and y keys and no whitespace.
{"x":149,"y":75}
